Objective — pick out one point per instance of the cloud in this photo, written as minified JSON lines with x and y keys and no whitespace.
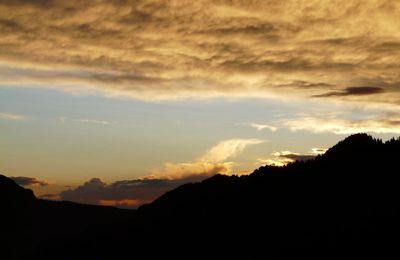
{"x":386,"y":125}
{"x":260,"y":127}
{"x":297,"y":157}
{"x":284,"y":157}
{"x":126,"y":193}
{"x":29,"y":181}
{"x":353,"y":91}
{"x":94,"y":121}
{"x":132,"y":193}
{"x":228,"y":148}
{"x":273,"y":161}
{"x":202,"y":169}
{"x":50,"y":196}
{"x":13,"y":117}
{"x":64,"y":119}
{"x":318,"y":151}
{"x":154,"y":49}
{"x":211,"y":162}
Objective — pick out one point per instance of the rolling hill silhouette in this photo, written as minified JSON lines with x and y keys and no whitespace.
{"x":342,"y":203}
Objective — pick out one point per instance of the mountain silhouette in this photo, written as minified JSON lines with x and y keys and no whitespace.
{"x":28,"y":223}
{"x":344,"y":203}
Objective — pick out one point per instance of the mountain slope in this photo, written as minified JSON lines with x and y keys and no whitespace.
{"x":342,"y":203}
{"x":28,"y":223}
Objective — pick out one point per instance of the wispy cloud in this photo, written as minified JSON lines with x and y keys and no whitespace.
{"x":64,"y":119}
{"x":94,"y":121}
{"x":228,"y":148}
{"x":261,"y":127}
{"x":386,"y":125}
{"x":13,"y":117}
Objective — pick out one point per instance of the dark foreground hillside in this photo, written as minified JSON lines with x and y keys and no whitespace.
{"x":341,"y":204}
{"x":29,"y":225}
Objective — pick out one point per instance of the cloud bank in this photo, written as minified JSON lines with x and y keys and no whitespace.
{"x":132,"y":193}
{"x":156,"y":49}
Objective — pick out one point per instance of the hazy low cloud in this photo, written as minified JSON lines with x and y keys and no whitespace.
{"x":29,"y":181}
{"x":132,"y":193}
{"x":13,"y":117}
{"x":86,"y":121}
{"x":384,"y":125}
{"x":94,"y":121}
{"x":154,"y":49}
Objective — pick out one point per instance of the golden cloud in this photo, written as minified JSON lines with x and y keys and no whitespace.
{"x":211,"y":163}
{"x":153,"y":49}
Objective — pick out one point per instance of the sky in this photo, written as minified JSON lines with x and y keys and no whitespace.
{"x":116,"y":102}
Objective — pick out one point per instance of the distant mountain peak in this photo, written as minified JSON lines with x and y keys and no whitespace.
{"x":358,"y":138}
{"x":356,"y":143}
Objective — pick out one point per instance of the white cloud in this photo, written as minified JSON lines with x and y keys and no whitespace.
{"x":260,"y":127}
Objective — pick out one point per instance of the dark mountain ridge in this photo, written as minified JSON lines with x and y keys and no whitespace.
{"x":29,"y":223}
{"x":342,"y":203}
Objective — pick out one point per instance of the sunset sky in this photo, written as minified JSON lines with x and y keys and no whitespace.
{"x":116,"y":102}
